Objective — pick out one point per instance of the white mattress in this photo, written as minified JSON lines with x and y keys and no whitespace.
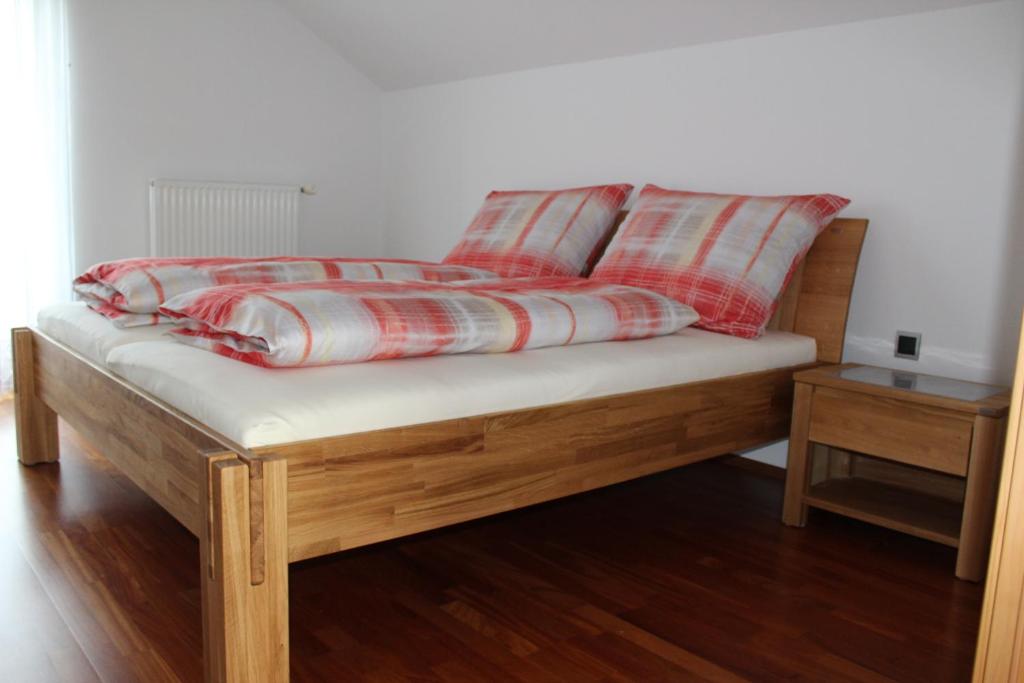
{"x":91,"y":334}
{"x":261,"y":407}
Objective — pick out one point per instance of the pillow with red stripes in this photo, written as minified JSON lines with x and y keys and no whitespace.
{"x":540,"y":233}
{"x":727,"y":256}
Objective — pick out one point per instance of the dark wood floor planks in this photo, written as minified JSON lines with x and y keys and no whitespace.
{"x":683,"y":576}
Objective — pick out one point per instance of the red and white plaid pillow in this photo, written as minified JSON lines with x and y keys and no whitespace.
{"x":727,"y":256}
{"x":540,"y":233}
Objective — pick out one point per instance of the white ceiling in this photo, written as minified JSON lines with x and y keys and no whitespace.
{"x":407,"y":43}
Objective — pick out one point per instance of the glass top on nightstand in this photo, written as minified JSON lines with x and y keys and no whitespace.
{"x":925,"y":384}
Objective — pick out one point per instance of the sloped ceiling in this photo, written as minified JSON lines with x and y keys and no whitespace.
{"x":407,"y":43}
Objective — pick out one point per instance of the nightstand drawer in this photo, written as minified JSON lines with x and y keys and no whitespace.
{"x":916,"y":435}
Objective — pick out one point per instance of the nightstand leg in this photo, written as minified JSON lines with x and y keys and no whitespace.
{"x":980,"y":497}
{"x":798,"y":471}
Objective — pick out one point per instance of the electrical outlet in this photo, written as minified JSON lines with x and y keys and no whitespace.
{"x":908,"y":345}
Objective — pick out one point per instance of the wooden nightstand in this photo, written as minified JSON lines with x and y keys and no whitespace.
{"x":915,"y":453}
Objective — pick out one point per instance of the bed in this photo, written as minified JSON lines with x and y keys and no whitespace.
{"x":271,"y":469}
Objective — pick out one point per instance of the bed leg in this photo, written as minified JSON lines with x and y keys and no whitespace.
{"x":34,"y":421}
{"x":244,"y":562}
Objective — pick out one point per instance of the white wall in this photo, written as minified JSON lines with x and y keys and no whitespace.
{"x":1011,"y":295}
{"x":226,"y":90}
{"x":915,"y":118}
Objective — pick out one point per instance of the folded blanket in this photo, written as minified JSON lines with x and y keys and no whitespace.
{"x":130,"y":292}
{"x":325,"y":323}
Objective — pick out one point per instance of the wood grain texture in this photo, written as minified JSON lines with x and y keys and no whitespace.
{"x":1000,"y":653}
{"x":980,"y":496}
{"x":212,"y":592}
{"x":155,"y":445}
{"x":632,"y":435}
{"x":245,"y":591}
{"x":819,"y":462}
{"x":841,"y":463}
{"x":37,"y":423}
{"x":931,"y":483}
{"x":826,"y":285}
{"x":682,"y":576}
{"x":994,"y":405}
{"x":955,"y":439}
{"x":893,"y":429}
{"x":97,"y":580}
{"x":588,"y":444}
{"x":894,"y":507}
{"x":343,"y":492}
{"x":789,"y":302}
{"x":798,"y":469}
{"x":363,"y":488}
{"x":357,"y":489}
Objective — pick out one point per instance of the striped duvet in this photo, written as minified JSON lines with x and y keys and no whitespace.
{"x":336,"y":322}
{"x":129,"y":292}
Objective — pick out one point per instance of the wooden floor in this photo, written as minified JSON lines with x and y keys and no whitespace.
{"x":678,"y":577}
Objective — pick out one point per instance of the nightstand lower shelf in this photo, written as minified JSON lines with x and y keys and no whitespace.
{"x":913,"y":453}
{"x":912,"y":512}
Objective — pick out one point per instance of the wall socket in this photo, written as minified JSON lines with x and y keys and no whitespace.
{"x":908,"y":345}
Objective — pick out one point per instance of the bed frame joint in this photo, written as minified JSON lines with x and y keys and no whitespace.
{"x":244,"y":558}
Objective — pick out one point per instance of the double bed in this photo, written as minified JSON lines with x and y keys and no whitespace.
{"x":268,"y":467}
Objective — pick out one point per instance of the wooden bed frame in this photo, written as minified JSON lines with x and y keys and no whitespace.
{"x":254,"y":511}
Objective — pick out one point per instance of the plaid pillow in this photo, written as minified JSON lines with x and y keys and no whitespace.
{"x":540,"y":233}
{"x":727,"y":256}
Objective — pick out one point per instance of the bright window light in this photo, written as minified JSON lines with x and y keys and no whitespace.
{"x":35,"y":210}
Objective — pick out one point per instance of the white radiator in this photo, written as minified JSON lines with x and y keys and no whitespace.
{"x":192,"y":218}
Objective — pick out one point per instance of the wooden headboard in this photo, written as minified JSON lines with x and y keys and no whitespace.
{"x":817,"y":300}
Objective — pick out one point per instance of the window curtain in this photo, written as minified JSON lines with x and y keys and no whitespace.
{"x":35,"y":207}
